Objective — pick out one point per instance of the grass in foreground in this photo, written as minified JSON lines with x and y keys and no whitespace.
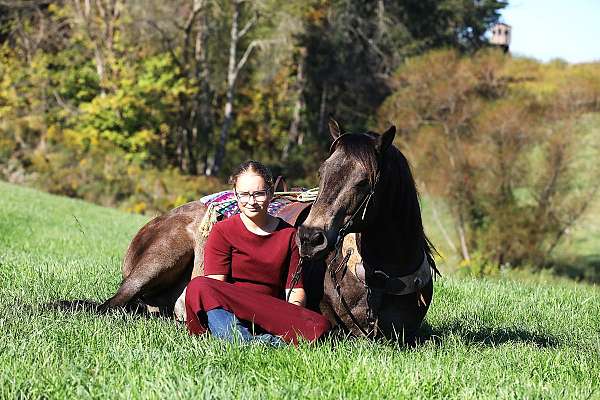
{"x":483,"y":339}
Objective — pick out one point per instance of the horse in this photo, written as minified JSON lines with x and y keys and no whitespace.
{"x":389,"y":246}
{"x":162,"y":258}
{"x":368,"y":202}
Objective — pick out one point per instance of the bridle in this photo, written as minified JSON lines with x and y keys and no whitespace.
{"x":380,"y":282}
{"x":364,"y":205}
{"x":372,"y":321}
{"x":343,"y":231}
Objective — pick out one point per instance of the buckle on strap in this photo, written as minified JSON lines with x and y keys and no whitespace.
{"x":382,"y":281}
{"x":407,"y":284}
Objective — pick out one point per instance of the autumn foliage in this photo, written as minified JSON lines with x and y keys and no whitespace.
{"x":501,"y":140}
{"x":149,"y":104}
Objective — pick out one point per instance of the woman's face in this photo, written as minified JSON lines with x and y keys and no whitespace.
{"x":253,"y":195}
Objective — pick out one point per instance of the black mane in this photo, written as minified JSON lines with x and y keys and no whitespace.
{"x":397,"y":196}
{"x":360,"y":147}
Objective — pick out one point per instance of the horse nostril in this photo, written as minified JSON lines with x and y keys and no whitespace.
{"x":311,"y":241}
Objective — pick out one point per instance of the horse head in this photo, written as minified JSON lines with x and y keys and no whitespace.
{"x":366,"y":187}
{"x":350,"y":189}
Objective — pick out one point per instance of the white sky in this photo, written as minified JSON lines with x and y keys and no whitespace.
{"x":548,"y":29}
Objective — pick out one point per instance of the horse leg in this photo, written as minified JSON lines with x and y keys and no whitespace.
{"x":154,"y":281}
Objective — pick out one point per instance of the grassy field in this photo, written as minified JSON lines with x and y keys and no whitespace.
{"x":499,"y":338}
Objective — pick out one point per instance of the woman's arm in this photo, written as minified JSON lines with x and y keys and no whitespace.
{"x":297,"y":297}
{"x":217,"y":255}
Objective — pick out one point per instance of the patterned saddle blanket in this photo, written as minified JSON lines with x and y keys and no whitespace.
{"x":287,"y":205}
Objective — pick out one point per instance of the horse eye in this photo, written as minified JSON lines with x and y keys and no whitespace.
{"x":363,"y":183}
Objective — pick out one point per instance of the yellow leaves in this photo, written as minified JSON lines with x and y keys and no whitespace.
{"x":477,"y":266}
{"x":138,"y":208}
{"x":164,"y":130}
{"x":54,"y":133}
{"x":180,"y":200}
{"x":141,"y":139}
{"x":81,"y":139}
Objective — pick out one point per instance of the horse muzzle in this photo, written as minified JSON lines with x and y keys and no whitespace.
{"x":312,"y":242}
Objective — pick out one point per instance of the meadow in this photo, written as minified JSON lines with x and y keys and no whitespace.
{"x":497,"y":337}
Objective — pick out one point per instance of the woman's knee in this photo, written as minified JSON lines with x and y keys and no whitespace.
{"x":323,"y":325}
{"x":200,"y":284}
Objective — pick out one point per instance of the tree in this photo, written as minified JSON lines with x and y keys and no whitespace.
{"x":234,"y":67}
{"x":354,"y":47}
{"x":503,"y":155}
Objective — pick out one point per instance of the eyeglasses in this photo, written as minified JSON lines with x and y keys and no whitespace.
{"x":259,"y":196}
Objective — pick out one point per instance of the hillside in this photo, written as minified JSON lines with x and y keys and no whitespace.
{"x":490,"y":338}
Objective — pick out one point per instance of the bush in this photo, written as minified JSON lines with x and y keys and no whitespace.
{"x":502,"y":141}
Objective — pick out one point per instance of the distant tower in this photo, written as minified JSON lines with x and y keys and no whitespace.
{"x":501,"y":36}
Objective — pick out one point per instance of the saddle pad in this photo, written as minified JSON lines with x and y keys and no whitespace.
{"x":225,"y":204}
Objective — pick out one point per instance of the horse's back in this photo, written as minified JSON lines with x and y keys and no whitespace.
{"x":165,"y":237}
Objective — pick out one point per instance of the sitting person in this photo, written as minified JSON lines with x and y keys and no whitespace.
{"x":249,"y":263}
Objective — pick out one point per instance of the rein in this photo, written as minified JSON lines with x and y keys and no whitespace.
{"x":344,"y":264}
{"x":374,"y":293}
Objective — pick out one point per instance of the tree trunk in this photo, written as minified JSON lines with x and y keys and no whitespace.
{"x":463,"y":239}
{"x":380,"y":18}
{"x":179,"y":149}
{"x":294,"y":133}
{"x":322,"y":109}
{"x":99,"y":24}
{"x":204,"y":121}
{"x":231,"y":77}
{"x":192,"y":165}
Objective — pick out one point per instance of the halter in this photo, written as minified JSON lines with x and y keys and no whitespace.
{"x":374,"y":294}
{"x":364,"y":205}
{"x":372,"y":322}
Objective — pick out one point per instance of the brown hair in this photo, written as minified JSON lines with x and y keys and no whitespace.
{"x":252,"y":166}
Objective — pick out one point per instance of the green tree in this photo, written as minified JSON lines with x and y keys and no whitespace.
{"x":353,"y":48}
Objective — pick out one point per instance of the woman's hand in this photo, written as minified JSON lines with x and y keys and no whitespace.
{"x":222,"y":278}
{"x":297,"y":297}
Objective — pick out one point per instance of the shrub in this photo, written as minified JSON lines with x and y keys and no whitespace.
{"x":501,"y":141}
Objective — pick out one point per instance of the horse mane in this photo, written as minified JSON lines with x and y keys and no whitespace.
{"x":400,"y":199}
{"x":359,"y":147}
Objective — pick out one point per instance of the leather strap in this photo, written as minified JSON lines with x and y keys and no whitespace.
{"x":398,"y":286}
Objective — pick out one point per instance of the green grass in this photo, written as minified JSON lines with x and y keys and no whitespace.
{"x":499,"y":338}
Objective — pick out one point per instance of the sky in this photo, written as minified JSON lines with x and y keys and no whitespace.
{"x":550,"y":29}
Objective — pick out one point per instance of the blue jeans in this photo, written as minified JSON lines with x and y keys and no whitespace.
{"x":225,"y":325}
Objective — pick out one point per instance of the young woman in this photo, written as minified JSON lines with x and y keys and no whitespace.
{"x":249,"y":262}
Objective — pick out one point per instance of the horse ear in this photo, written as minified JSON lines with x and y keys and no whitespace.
{"x":334,"y":128}
{"x":385,"y":140}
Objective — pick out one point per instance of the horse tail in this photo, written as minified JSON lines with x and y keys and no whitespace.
{"x":136,"y":307}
